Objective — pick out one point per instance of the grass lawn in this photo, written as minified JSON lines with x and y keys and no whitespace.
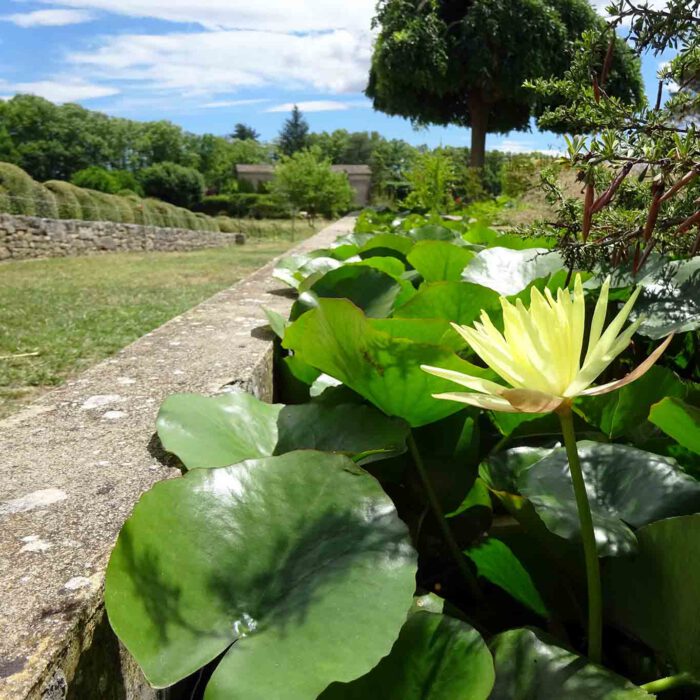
{"x":77,"y":311}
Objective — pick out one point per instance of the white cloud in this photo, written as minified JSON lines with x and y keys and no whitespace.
{"x":317,"y":106}
{"x":220,"y":62}
{"x":60,"y":90}
{"x":48,"y":18}
{"x":260,"y":15}
{"x":231,"y":103}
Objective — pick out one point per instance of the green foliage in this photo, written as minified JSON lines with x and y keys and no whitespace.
{"x":294,"y":136}
{"x":96,"y":178}
{"x":173,"y":183}
{"x":469,"y":61}
{"x":372,"y":308}
{"x":306,"y":182}
{"x":431,"y":179}
{"x":286,"y":516}
{"x":20,"y":189}
{"x":67,"y":200}
{"x":244,"y":132}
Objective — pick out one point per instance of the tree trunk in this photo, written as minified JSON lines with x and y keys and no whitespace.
{"x":479,"y":113}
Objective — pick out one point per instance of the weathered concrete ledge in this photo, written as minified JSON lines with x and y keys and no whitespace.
{"x":23,"y":237}
{"x":74,"y":463}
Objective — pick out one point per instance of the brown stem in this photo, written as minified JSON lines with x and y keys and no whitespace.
{"x":588,"y":211}
{"x":689,"y":223}
{"x":685,"y":180}
{"x":654,"y":210}
{"x":607,"y":196}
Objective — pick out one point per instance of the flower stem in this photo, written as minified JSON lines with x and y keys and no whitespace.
{"x":668,"y":683}
{"x":439,"y":514}
{"x":595,"y":596}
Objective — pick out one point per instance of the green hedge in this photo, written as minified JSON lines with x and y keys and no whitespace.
{"x":19,"y":188}
{"x":66,"y":199}
{"x":21,"y":195}
{"x":241,"y":205}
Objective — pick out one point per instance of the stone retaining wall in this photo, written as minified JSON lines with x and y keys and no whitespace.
{"x":74,"y":463}
{"x":23,"y":237}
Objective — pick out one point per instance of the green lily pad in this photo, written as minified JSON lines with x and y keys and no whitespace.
{"x":624,"y":412}
{"x":208,"y":432}
{"x":439,"y":260}
{"x":370,"y":289}
{"x":279,"y":563}
{"x":296,"y":269}
{"x":435,"y":658}
{"x":217,"y":431}
{"x":496,"y":562}
{"x":435,"y":232}
{"x":679,"y":420}
{"x":627,"y":488}
{"x":530,"y":665}
{"x":510,"y":271}
{"x":654,"y":595}
{"x":456,"y":302}
{"x":670,"y":300}
{"x":339,"y":340}
{"x":389,"y":244}
{"x":360,"y":432}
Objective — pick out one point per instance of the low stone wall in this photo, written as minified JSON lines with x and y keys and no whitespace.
{"x":74,"y":463}
{"x":23,"y":237}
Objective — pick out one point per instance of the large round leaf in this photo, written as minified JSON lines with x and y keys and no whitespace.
{"x":372,"y":290}
{"x":655,"y":594}
{"x":510,"y":271}
{"x":297,"y":567}
{"x":216,"y":431}
{"x":532,"y":666}
{"x":339,"y":340}
{"x":207,"y":432}
{"x":296,"y":269}
{"x":354,"y":430}
{"x":670,"y":300}
{"x":457,"y":302}
{"x":439,"y":260}
{"x":435,"y":658}
{"x":625,"y":411}
{"x":627,"y":488}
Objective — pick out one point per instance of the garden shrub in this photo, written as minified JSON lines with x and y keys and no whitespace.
{"x":46,"y":206}
{"x":4,"y":201}
{"x":20,"y":189}
{"x":95,"y":178}
{"x":173,"y":183}
{"x":89,"y":209}
{"x":66,"y":199}
{"x":227,"y":224}
{"x":107,"y":205}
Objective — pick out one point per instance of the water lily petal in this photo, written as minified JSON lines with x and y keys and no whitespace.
{"x":474,"y":383}
{"x":636,"y":373}
{"x":490,"y":403}
{"x":530,"y":401}
{"x":601,"y":310}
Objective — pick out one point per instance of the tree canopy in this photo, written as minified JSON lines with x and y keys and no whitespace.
{"x":244,"y":132}
{"x":295,"y":133}
{"x":470,"y":59}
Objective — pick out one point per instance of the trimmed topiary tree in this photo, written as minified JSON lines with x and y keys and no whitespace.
{"x":67,"y":200}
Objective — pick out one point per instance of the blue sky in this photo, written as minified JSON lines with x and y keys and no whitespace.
{"x":207,"y":64}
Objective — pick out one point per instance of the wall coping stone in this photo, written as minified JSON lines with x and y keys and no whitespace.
{"x":74,"y":463}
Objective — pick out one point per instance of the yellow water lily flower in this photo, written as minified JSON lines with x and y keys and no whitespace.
{"x":539,"y":352}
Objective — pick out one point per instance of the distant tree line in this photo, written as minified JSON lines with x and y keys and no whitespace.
{"x":160,"y":159}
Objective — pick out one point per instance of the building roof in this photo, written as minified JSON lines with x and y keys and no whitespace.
{"x":353,"y":169}
{"x":264,"y":169}
{"x":258,"y":168}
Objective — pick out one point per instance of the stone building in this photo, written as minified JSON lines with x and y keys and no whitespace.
{"x":360,"y":177}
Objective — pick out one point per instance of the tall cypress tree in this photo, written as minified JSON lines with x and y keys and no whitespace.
{"x":295,"y":133}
